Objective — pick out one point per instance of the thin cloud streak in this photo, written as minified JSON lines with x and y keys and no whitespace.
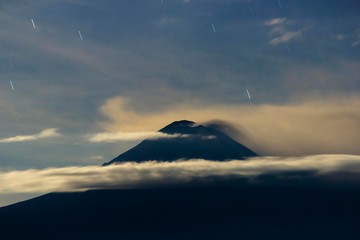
{"x":129,"y":136}
{"x":46,"y":133}
{"x":275,"y":21}
{"x":132,"y":175}
{"x":286,"y":37}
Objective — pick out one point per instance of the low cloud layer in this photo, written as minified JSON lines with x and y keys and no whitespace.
{"x":129,"y":175}
{"x":46,"y":133}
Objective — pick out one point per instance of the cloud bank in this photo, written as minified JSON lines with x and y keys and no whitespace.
{"x":130,"y":175}
{"x":326,"y":126}
{"x":46,"y":133}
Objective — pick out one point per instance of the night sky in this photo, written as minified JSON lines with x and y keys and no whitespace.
{"x":286,"y":73}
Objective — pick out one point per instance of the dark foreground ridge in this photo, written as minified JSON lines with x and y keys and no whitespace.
{"x":226,"y":209}
{"x":193,"y":141}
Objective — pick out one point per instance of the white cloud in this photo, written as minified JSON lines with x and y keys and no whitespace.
{"x":129,"y":136}
{"x":130,"y":175}
{"x":282,"y":31}
{"x":286,"y":37}
{"x":46,"y":133}
{"x":275,"y":21}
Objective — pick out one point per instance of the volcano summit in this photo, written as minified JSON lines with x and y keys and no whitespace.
{"x":187,"y":140}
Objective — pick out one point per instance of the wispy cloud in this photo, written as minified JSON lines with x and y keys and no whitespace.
{"x":352,"y":37}
{"x":275,"y":21}
{"x":281,"y":31}
{"x":130,"y":175}
{"x":129,"y":136}
{"x":285,"y":37}
{"x":46,"y":133}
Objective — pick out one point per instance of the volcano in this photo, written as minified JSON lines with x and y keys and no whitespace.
{"x":293,"y":205}
{"x":186,"y":140}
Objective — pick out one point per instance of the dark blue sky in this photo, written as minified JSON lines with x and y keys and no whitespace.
{"x":141,"y":64}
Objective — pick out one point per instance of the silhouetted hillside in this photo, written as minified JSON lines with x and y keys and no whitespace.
{"x":227,"y":210}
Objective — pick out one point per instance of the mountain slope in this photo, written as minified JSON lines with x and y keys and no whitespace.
{"x":241,"y":212}
{"x":187,"y":140}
